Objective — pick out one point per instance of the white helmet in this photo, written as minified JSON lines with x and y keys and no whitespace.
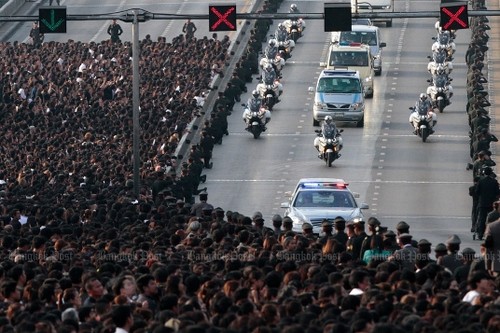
{"x":328,"y":120}
{"x":255,"y":93}
{"x":423,"y":97}
{"x":293,"y":7}
{"x":269,"y":67}
{"x":272,"y":42}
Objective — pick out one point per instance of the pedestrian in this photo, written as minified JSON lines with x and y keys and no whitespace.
{"x":207,"y":145}
{"x":487,"y":191}
{"x":189,"y":29}
{"x":36,"y":36}
{"x":115,"y":30}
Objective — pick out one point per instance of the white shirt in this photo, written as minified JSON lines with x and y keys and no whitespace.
{"x":120,"y":330}
{"x":470,"y":296}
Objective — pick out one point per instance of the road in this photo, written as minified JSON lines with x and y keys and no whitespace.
{"x":401,"y":178}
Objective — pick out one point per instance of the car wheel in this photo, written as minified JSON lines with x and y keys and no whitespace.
{"x":315,"y":122}
{"x":361,"y":123}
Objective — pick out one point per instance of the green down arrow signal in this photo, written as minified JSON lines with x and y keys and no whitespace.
{"x":52,"y":25}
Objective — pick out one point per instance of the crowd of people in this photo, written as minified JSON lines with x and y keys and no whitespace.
{"x":80,"y":252}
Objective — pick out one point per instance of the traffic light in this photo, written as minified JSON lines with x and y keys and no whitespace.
{"x":222,"y":17}
{"x":454,"y":16}
{"x":338,"y":17}
{"x":52,"y":20}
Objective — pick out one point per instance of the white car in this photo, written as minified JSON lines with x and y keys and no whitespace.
{"x":316,"y":199}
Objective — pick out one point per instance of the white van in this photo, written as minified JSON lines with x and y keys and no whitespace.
{"x":374,"y":6}
{"x":354,"y":57}
{"x":364,"y":34}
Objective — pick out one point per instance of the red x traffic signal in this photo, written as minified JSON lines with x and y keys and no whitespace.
{"x":222,"y":17}
{"x":454,"y":16}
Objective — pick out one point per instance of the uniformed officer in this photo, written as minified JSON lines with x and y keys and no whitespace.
{"x":359,"y":230}
{"x":404,"y":228}
{"x":451,"y":260}
{"x":340,"y":235}
{"x":307,"y":231}
{"x":327,"y":229}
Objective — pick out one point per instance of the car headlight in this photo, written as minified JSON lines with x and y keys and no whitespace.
{"x":356,"y":106}
{"x":386,"y":7}
{"x":320,"y":105}
{"x":368,"y":79}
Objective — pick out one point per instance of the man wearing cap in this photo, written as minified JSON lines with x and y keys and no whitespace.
{"x":462,"y":273}
{"x":451,"y":261}
{"x":357,"y":242}
{"x":406,"y":257}
{"x":258,"y":222}
{"x":424,"y":253}
{"x":307,"y":231}
{"x":373,"y":224}
{"x":197,"y":208}
{"x":440,"y":250}
{"x":340,"y":235}
{"x":277,"y":223}
{"x":327,"y":230}
{"x":351,"y":235}
{"x":487,"y":192}
{"x":404,"y":228}
{"x":391,"y":235}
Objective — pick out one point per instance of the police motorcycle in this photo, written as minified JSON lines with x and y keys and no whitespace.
{"x":453,"y":33}
{"x":285,"y":44}
{"x":328,"y":142}
{"x":276,"y":59}
{"x":444,"y":41}
{"x":421,"y":119}
{"x":440,"y":90}
{"x":256,"y":116}
{"x":294,"y":26}
{"x":269,"y":88}
{"x":438,"y":62}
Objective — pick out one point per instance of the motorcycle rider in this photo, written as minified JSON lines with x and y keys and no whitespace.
{"x":294,"y":9}
{"x":281,"y":34}
{"x":271,"y":49}
{"x":254,"y":104}
{"x":441,"y":77}
{"x":269,"y":74}
{"x":423,"y":106}
{"x":328,"y":130}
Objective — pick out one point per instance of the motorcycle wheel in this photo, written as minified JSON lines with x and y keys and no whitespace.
{"x":315,"y":122}
{"x":424,"y":133}
{"x":255,"y":132}
{"x":329,"y":159}
{"x":441,"y":107}
{"x":295,"y":36}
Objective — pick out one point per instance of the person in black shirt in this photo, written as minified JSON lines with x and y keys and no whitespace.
{"x":115,"y":30}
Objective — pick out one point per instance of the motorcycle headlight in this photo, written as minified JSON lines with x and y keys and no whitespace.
{"x":329,"y":141}
{"x":368,"y":79}
{"x":386,"y":7}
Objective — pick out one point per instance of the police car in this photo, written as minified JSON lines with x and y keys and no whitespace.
{"x":315,"y":199}
{"x":339,"y":93}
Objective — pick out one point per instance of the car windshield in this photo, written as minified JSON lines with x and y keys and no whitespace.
{"x":324,"y":199}
{"x":338,"y":85}
{"x":363,"y":37}
{"x":349,"y":58}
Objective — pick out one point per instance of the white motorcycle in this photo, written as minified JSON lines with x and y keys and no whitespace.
{"x":440,"y":91}
{"x":329,"y":145}
{"x":444,"y":41}
{"x":270,"y":93}
{"x":278,"y":63}
{"x":439,"y":63}
{"x":421,"y":121}
{"x":295,"y":27}
{"x":256,"y":120}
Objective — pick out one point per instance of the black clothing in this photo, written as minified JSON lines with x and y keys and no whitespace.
{"x":115,"y":30}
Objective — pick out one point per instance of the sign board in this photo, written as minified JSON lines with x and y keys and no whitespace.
{"x":454,"y":16}
{"x":222,"y":17}
{"x":52,"y":20}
